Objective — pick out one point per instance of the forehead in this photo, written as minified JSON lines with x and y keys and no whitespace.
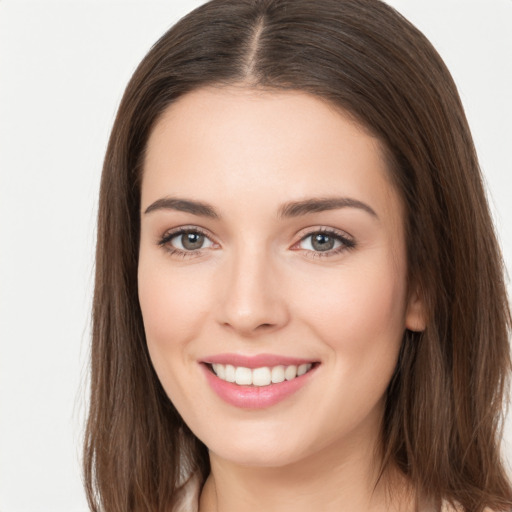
{"x":233,"y":142}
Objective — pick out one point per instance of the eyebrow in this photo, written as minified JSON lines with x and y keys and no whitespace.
{"x":314,"y":205}
{"x":287,"y":210}
{"x":183,"y":205}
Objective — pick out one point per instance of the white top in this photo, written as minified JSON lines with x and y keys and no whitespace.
{"x":189,"y":498}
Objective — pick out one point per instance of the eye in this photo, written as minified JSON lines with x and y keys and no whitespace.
{"x":185,"y":240}
{"x":190,"y":241}
{"x":326,"y":241}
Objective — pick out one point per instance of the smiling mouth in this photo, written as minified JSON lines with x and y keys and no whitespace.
{"x":259,"y":377}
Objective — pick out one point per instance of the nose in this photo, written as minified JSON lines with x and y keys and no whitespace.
{"x":253,"y":300}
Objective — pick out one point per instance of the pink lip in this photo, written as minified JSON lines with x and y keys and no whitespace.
{"x":255,"y":397}
{"x":257,"y":361}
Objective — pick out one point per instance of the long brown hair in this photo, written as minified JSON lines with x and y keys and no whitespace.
{"x":444,"y":404}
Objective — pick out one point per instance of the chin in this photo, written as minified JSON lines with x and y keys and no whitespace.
{"x":257,"y":456}
{"x":269,"y":446}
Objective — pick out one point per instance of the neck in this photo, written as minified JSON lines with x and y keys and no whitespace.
{"x":338,"y":478}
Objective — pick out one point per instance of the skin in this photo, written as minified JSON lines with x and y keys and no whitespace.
{"x":258,"y":286}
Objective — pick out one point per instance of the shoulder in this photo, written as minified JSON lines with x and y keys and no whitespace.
{"x":188,"y":495}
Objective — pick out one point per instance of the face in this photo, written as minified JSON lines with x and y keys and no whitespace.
{"x":272,"y":254}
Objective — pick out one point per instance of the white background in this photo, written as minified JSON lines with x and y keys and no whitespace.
{"x":63,"y":68}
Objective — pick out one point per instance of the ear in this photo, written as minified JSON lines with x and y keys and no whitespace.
{"x":416,"y":314}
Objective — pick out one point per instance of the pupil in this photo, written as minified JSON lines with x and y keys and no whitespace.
{"x":322,"y":242}
{"x":192,"y":241}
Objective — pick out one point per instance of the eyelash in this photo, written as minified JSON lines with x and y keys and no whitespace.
{"x":347,"y":243}
{"x":174,"y":251}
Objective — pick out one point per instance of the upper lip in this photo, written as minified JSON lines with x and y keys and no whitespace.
{"x":256,"y":361}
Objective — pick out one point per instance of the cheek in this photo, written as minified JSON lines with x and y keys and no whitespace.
{"x":359,"y":313}
{"x":359,"y":316}
{"x":357,"y":298}
{"x":172,"y":308}
{"x":171,"y":304}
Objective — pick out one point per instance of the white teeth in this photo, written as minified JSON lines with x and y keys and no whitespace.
{"x":263,"y":376}
{"x":290,"y":372}
{"x":277,"y":374}
{"x":220,"y":370}
{"x":302,"y":369}
{"x":243,"y":376}
{"x":230,"y":373}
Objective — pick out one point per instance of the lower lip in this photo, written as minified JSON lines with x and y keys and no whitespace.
{"x":255,"y":397}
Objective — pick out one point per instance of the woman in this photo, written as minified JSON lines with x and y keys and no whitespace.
{"x":299,"y":296}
